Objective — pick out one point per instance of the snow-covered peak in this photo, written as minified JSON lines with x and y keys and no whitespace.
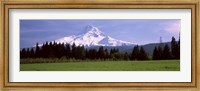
{"x":91,"y":30}
{"x":92,"y":37}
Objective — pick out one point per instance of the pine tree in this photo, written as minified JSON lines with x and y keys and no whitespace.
{"x":160,"y":53}
{"x":77,"y":52}
{"x":82,"y":53}
{"x":45,"y":49}
{"x":86,"y":54}
{"x":37,"y":50}
{"x":92,"y":54}
{"x":32,"y":53}
{"x":112,"y":51}
{"x":51,"y":51}
{"x":142,"y":54}
{"x":166,"y":52}
{"x":175,"y":49}
{"x":106,"y":54}
{"x":178,"y":50}
{"x":135,"y":53}
{"x":73,"y":50}
{"x":28,"y":53}
{"x":155,"y":54}
{"x":101,"y":53}
{"x":67,"y":51}
{"x":126,"y":56}
{"x":23,"y":53}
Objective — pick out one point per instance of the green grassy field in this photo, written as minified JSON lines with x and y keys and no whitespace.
{"x":161,"y":65}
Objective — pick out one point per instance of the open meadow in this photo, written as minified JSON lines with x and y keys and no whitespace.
{"x":64,"y":65}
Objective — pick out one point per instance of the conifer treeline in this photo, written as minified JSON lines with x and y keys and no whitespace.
{"x":59,"y":50}
{"x":166,"y":53}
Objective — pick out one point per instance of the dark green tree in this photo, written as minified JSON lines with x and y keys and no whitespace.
{"x":92,"y":53}
{"x":160,"y":52}
{"x":73,"y":53}
{"x":118,"y":56}
{"x":106,"y":54}
{"x":32,"y":53}
{"x":28,"y":53}
{"x":51,"y":51}
{"x":155,"y":54}
{"x":23,"y":53}
{"x":67,"y":51}
{"x":178,"y":53}
{"x":81,"y":52}
{"x":126,"y":56}
{"x":37,"y":51}
{"x":86,"y":54}
{"x":166,"y":53}
{"x":142,"y":54}
{"x":175,"y":51}
{"x":135,"y":53}
{"x":101,"y":53}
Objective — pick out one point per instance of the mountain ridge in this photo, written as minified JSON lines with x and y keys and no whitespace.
{"x":92,"y":37}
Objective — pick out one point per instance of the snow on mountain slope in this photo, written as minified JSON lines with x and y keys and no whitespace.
{"x":93,"y":37}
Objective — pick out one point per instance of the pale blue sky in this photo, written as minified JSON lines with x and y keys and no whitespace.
{"x":136,"y":31}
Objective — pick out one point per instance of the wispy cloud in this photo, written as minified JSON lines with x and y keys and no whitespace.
{"x":172,"y":27}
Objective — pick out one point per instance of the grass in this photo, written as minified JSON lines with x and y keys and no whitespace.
{"x":159,"y":65}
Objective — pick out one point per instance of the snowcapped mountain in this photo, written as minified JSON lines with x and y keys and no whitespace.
{"x":92,"y":37}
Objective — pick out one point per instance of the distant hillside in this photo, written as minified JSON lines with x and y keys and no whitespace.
{"x":150,"y":47}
